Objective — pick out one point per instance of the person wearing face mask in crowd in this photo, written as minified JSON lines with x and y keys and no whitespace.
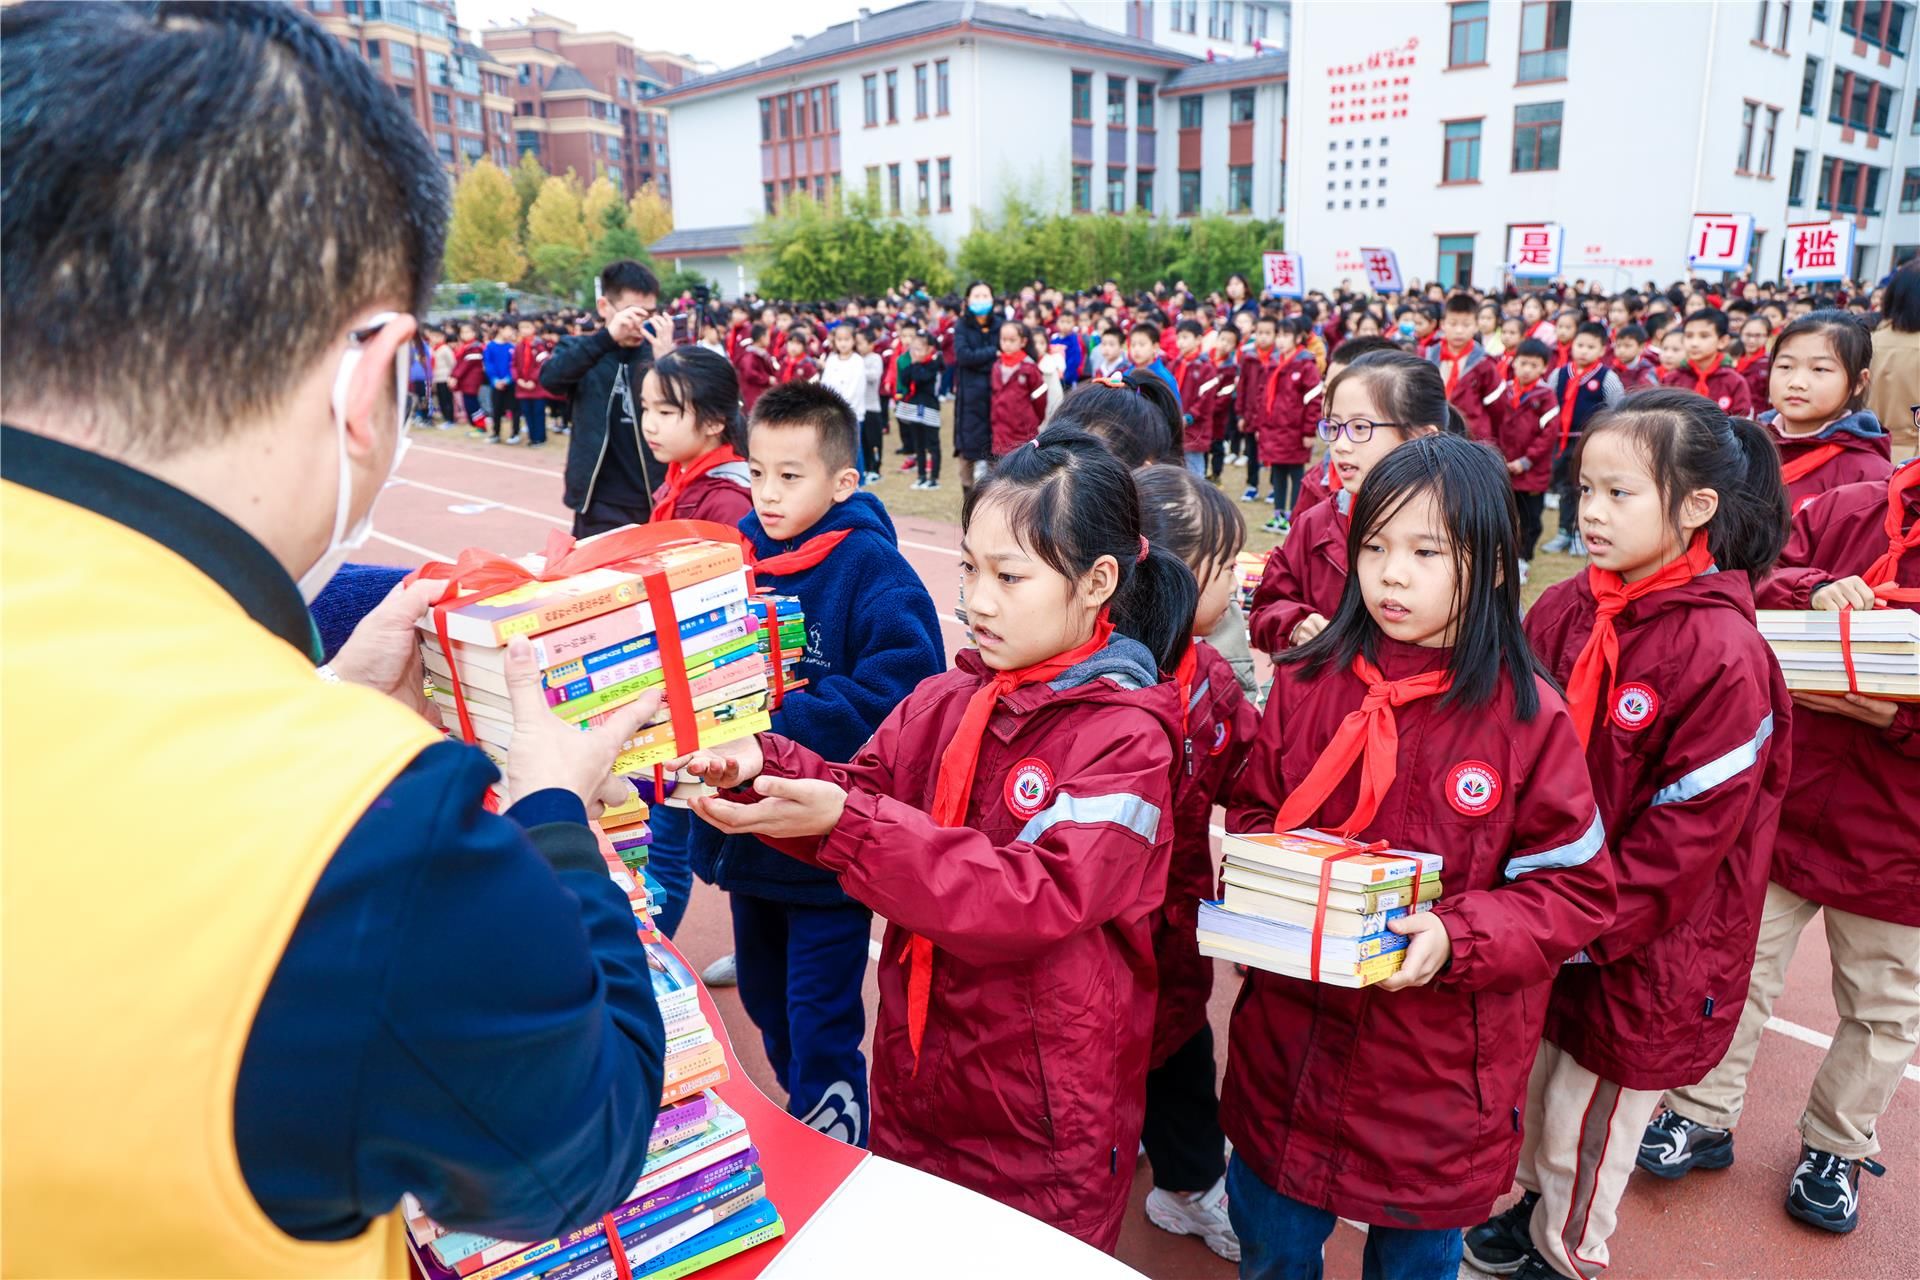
{"x":316,"y":1026}
{"x":976,"y":345}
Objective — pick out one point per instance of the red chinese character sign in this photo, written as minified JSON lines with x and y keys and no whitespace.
{"x":1817,"y":251}
{"x":1534,"y":249}
{"x":1719,"y":241}
{"x":1383,"y":270}
{"x":1285,"y":275}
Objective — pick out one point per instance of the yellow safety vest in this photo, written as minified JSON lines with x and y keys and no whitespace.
{"x":173,"y":780}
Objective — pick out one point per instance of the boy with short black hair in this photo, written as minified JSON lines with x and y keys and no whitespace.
{"x":919,"y":408}
{"x":872,"y":636}
{"x":1707,"y":371}
{"x":1582,"y":387}
{"x":1630,"y":360}
{"x":1472,"y":376}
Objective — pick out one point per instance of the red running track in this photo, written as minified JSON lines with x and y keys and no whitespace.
{"x":454,"y":494}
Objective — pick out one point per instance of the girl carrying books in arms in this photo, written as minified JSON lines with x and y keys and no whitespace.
{"x":1684,"y":714}
{"x":1193,"y":519}
{"x":1418,"y":718}
{"x":1375,"y":404}
{"x":1849,"y":849}
{"x":1818,"y":385}
{"x":1012,"y":821}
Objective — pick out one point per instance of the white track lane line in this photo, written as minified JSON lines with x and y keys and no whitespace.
{"x":1780,"y":1026}
{"x":413,"y":548}
{"x":928,"y":546}
{"x":485,"y":462}
{"x":482,"y":498}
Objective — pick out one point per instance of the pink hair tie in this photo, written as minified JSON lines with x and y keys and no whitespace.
{"x":1143,"y":550}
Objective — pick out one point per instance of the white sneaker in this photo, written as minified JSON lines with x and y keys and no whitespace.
{"x":873,"y":477}
{"x":1203,"y":1215}
{"x":720,"y":973}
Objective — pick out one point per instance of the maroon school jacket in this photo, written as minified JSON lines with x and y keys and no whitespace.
{"x":800,"y":370}
{"x":1641,"y":373}
{"x":1250,"y":399}
{"x":528,"y":355}
{"x":1220,"y":727}
{"x":1305,"y":575}
{"x":1289,"y":410}
{"x":1689,"y":761}
{"x":1524,"y":428}
{"x":1724,"y":387}
{"x":756,"y":368}
{"x":1015,"y":411}
{"x":723,"y":495}
{"x":1866,"y":454}
{"x":1031,"y":1085}
{"x":1316,"y":486}
{"x":1403,"y":1108}
{"x":1758,"y":371}
{"x":1219,"y":387}
{"x":469,"y":368}
{"x":1475,"y":387}
{"x":1850,"y":832}
{"x":1195,"y":405}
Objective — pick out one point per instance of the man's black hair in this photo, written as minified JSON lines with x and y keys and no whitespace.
{"x":628,"y":276}
{"x":268,"y":184}
{"x":811,"y":404}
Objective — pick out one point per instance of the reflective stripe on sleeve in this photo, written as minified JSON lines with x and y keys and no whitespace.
{"x":1572,"y":854}
{"x":1716,"y":771}
{"x":1121,"y":809}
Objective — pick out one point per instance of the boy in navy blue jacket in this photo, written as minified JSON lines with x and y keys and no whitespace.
{"x":800,"y":944}
{"x":498,"y":360}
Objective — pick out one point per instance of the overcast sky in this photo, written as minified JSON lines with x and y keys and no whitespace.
{"x":725,"y":32}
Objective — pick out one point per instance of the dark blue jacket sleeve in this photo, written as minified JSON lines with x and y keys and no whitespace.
{"x":894,"y":646}
{"x":464,"y":1011}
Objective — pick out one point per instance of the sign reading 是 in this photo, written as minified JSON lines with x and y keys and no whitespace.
{"x":1285,"y":274}
{"x":1534,"y":249}
{"x":1383,"y":270}
{"x":1719,"y":241}
{"x":1817,"y":250}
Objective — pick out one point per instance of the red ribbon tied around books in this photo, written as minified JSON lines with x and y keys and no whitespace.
{"x":1353,"y":849}
{"x":477,"y":574}
{"x":1881,"y":574}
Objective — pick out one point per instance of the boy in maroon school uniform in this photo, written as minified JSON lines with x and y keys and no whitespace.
{"x":1707,"y":371}
{"x":1472,"y":377}
{"x":1630,"y":359}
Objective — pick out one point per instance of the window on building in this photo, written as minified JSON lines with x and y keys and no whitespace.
{"x":1544,"y":28}
{"x":942,"y":88}
{"x":1143,"y":190}
{"x":1240,"y":189}
{"x":919,"y":91}
{"x":1796,"y":180}
{"x":1143,"y":104}
{"x":1083,"y":97}
{"x":1749,"y":117}
{"x":373,"y":52}
{"x":766,"y":119}
{"x":1760,"y":21}
{"x":438,"y":69}
{"x":1819,"y":10}
{"x":1117,"y":101}
{"x":443,"y":143}
{"x":1189,"y":192}
{"x":1460,"y":153}
{"x":923,"y":187}
{"x":1256,"y":22}
{"x":1914,"y":127}
{"x":816,"y":99}
{"x":1213,"y":20}
{"x":400,"y":59}
{"x":1082,"y":188}
{"x":1190,"y":111}
{"x":1467,"y":42}
{"x":442,"y":109}
{"x":470,"y":115}
{"x":526,"y":142}
{"x":767,"y":197}
{"x":893,"y":188}
{"x":1809,"y":86}
{"x":1768,"y":136}
{"x":1455,"y":268}
{"x":1910,"y":191}
{"x":870,"y":97}
{"x":1116,"y":188}
{"x":946,"y":184}
{"x":1786,"y":16}
{"x":472,"y":149}
{"x":893,"y":95}
{"x":873,"y":184}
{"x":1240,"y":106}
{"x":1536,"y":137}
{"x":784,"y":117}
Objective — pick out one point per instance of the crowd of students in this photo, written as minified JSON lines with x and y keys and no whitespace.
{"x":1618,"y":905}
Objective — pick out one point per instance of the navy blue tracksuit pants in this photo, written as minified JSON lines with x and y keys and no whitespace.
{"x":800,"y":970}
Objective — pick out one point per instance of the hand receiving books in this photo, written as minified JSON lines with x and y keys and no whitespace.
{"x":549,"y":752}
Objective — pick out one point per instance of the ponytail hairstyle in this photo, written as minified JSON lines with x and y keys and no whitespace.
{"x":1070,"y":501}
{"x":1468,"y":484}
{"x":1135,"y":418}
{"x":693,"y":378}
{"x":1189,"y":517}
{"x":1850,"y":341}
{"x":1690,"y":444}
{"x":1407,"y":388}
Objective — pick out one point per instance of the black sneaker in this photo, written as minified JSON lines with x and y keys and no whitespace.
{"x":1673,"y":1145}
{"x":1500,"y":1244}
{"x":1825,"y":1190}
{"x":1534,"y":1267}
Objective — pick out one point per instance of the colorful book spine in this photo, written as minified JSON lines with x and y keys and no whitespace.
{"x":544,"y":606}
{"x":655,"y":745}
{"x":556,"y":647}
{"x":737,"y":1234}
{"x":694,"y":1084}
{"x":636,"y":646}
{"x":580,"y":706}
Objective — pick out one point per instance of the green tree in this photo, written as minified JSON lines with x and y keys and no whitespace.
{"x":613,"y":236}
{"x":649,"y":214}
{"x":528,"y":178}
{"x":814,"y":251}
{"x":557,"y":239}
{"x":483,"y":238}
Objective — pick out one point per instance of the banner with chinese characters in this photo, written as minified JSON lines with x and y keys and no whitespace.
{"x":1719,"y":241}
{"x":1383,"y":270}
{"x":1534,"y":249}
{"x":1817,"y":251}
{"x":1285,"y":275}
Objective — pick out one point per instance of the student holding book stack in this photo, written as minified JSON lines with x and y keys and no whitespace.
{"x":1678,"y":700}
{"x":1400,"y":1107}
{"x":1848,"y":850}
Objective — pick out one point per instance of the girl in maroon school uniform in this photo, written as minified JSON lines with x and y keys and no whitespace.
{"x":1012,"y":821}
{"x":1287,"y":418}
{"x":1817,"y":384}
{"x":1678,"y":700}
{"x":1373,"y":405}
{"x":1019,"y":392}
{"x":1848,"y":850}
{"x":1399,"y":1105}
{"x":691,"y":422}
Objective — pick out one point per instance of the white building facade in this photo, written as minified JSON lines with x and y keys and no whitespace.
{"x":1433,"y":128}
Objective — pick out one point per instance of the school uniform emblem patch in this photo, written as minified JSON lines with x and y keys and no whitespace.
{"x":1473,"y":788}
{"x":1725,"y":403}
{"x":1027,"y":787}
{"x":1634,"y":706}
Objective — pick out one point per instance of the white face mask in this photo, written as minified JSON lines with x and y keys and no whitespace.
{"x":343,"y":540}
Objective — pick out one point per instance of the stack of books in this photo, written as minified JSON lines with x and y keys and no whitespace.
{"x":1248,"y":567}
{"x":792,"y":633}
{"x":1884,"y":645}
{"x":1269,"y":912}
{"x":594,"y":637}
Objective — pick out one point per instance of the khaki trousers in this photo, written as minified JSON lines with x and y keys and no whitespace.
{"x":1582,"y":1134}
{"x":1876,"y":989}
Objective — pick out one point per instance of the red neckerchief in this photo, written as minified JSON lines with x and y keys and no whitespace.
{"x":1012,"y":359}
{"x":1748,"y":360}
{"x":1453,"y":365}
{"x":1880,"y":573}
{"x":1180,"y":366}
{"x":680,"y":477}
{"x":1369,"y":735}
{"x":953,"y":787}
{"x":805,"y":556}
{"x":1575,"y":376}
{"x":1273,"y":382}
{"x":1600,"y":656}
{"x":1183,"y":676}
{"x":1810,"y":461}
{"x":1519,"y":392}
{"x":1700,"y":382}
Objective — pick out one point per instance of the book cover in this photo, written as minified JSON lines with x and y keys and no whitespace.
{"x":642,"y":643}
{"x":543,"y":606}
{"x":1297,"y":939}
{"x":563,"y":644}
{"x":1262,"y":879}
{"x":612,"y":695}
{"x":1306,"y":852}
{"x":758,"y":1224}
{"x":1297,"y":966}
{"x":701,"y":647}
{"x":686,"y":1088}
{"x":1337,"y":924}
{"x":1877,"y":624}
{"x":695,"y":1061}
{"x":656,"y":745}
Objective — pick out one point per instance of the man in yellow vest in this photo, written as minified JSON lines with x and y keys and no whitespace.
{"x":267,"y":961}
